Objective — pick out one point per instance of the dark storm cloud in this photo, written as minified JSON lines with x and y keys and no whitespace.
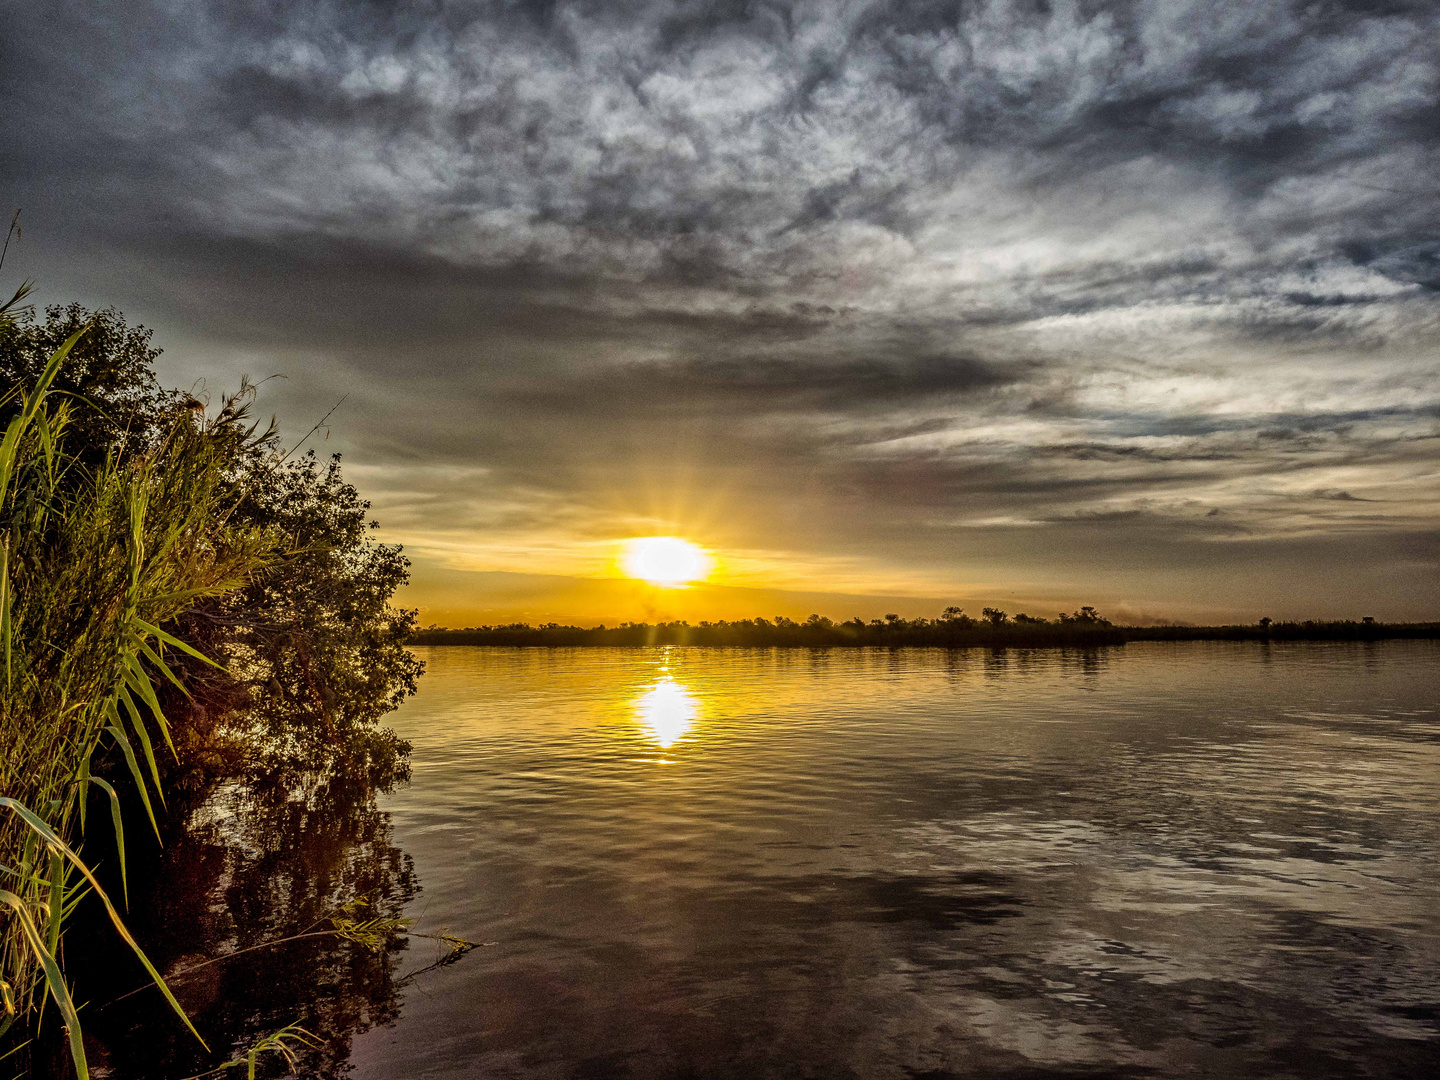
{"x":911,"y":271}
{"x":634,"y":122}
{"x":757,"y":386}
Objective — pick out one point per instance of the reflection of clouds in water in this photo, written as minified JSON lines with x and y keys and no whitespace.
{"x":668,"y":710}
{"x":1179,"y":881}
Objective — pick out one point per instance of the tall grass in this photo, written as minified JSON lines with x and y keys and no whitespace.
{"x":93,"y":564}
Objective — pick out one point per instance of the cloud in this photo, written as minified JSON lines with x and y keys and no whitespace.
{"x":861,"y":280}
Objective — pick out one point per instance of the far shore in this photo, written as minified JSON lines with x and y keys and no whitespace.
{"x":925,"y":633}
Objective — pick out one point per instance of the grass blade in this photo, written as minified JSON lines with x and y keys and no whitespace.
{"x":47,"y":835}
{"x":139,"y":683}
{"x":138,"y":723}
{"x":118,"y":734}
{"x":171,"y":639}
{"x":119,"y":833}
{"x":54,"y":980}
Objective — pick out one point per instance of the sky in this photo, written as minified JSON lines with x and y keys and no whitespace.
{"x":890,"y":305}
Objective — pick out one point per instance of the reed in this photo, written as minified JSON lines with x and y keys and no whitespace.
{"x":94,"y":562}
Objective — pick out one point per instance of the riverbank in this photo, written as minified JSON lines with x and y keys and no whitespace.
{"x":937,"y":633}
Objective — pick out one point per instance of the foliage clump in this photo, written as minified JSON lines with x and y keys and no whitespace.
{"x":94,"y":560}
{"x":134,"y":527}
{"x":108,"y":377}
{"x":313,"y":641}
{"x":310,"y":653}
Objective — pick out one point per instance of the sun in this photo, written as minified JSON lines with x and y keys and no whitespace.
{"x":665,"y":560}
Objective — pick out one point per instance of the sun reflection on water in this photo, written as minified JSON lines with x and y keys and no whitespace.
{"x":667,"y":710}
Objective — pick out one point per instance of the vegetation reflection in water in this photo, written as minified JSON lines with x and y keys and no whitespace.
{"x":258,"y":867}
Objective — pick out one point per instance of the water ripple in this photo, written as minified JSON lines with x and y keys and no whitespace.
{"x":1157,"y":860}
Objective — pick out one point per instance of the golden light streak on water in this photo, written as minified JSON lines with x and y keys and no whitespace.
{"x":667,"y":710}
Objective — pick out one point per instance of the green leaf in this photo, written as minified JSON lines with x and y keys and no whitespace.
{"x":139,"y":682}
{"x":138,"y":723}
{"x":119,"y":832}
{"x":54,"y":980}
{"x":118,"y":734}
{"x":156,"y":661}
{"x":171,"y":639}
{"x":82,"y":780}
{"x":57,"y":903}
{"x":10,"y":445}
{"x":48,"y":835}
{"x":6,"y":629}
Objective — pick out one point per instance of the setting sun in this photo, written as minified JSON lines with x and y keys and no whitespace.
{"x":665,"y":560}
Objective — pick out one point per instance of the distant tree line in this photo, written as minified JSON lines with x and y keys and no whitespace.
{"x":953,"y":629}
{"x":1268,"y":630}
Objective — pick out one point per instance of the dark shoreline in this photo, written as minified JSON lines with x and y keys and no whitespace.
{"x":761,"y":633}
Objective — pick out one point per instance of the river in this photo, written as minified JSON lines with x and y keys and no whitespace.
{"x":1197,"y":859}
{"x":1154,"y":860}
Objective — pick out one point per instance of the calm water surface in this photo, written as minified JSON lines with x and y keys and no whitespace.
{"x":1157,"y":860}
